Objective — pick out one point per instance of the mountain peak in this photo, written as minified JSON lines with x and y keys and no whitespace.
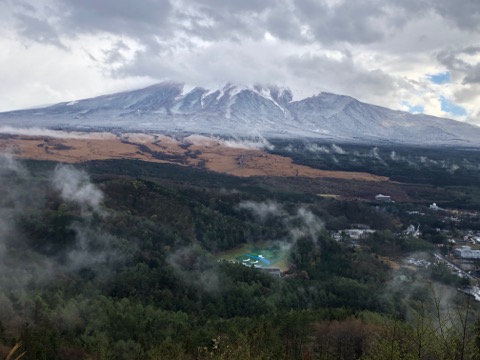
{"x":262,"y":109}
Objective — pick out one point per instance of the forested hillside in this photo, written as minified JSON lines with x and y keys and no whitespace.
{"x":119,"y":260}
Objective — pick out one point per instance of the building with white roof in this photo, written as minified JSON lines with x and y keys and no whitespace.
{"x":466,"y":252}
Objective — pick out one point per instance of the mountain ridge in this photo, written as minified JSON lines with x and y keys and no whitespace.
{"x":260,"y":110}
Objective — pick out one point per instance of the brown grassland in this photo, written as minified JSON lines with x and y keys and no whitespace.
{"x":197,"y":151}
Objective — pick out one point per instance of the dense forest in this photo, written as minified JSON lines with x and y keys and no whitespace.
{"x":118,"y":260}
{"x":438,"y":166}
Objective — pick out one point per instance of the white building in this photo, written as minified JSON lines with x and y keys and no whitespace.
{"x":435,"y":207}
{"x":466,"y":252}
{"x":413,"y":231}
{"x":384,"y":198}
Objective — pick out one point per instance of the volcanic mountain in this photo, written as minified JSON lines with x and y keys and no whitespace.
{"x":266,"y":111}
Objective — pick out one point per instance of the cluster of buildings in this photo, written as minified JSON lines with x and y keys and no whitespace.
{"x":352,"y":234}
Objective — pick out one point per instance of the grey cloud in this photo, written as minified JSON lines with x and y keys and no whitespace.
{"x":338,"y":149}
{"x":310,"y":225}
{"x":472,"y":50}
{"x":22,"y":193}
{"x":195,"y":266}
{"x":134,"y":18}
{"x":25,"y":6}
{"x":14,"y":180}
{"x":325,"y":150}
{"x":339,"y":74}
{"x":211,"y":42}
{"x":152,"y":21}
{"x":317,"y":149}
{"x":450,"y":58}
{"x":464,"y":14}
{"x":36,"y":21}
{"x":7,"y":309}
{"x":219,"y":63}
{"x":114,"y":54}
{"x":93,"y":249}
{"x":283,"y":25}
{"x":467,"y":93}
{"x":36,"y":131}
{"x":263,"y":210}
{"x":47,"y":24}
{"x":248,"y":64}
{"x":352,"y":21}
{"x":37,"y":30}
{"x":9,"y":165}
{"x":18,"y":192}
{"x":375,"y":154}
{"x":216,"y":23}
{"x":152,"y":63}
{"x":254,"y":144}
{"x":473,"y":75}
{"x":303,"y":223}
{"x":238,"y":6}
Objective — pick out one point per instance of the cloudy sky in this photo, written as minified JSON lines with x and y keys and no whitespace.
{"x":414,"y":55}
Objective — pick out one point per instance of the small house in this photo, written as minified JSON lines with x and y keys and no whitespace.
{"x":383,"y":198}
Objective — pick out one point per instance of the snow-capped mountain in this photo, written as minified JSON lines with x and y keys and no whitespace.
{"x":267,"y":111}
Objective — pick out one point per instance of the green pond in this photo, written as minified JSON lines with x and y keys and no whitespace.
{"x":265,"y":255}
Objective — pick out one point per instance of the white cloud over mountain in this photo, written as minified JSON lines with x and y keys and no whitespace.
{"x":375,"y":50}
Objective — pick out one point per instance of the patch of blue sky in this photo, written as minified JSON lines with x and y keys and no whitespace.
{"x":440,"y":78}
{"x":414,"y":109}
{"x":451,"y":108}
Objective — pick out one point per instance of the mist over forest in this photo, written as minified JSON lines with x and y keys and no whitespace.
{"x":123,"y":259}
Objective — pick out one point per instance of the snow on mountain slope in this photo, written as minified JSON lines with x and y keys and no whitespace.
{"x":268,"y":111}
